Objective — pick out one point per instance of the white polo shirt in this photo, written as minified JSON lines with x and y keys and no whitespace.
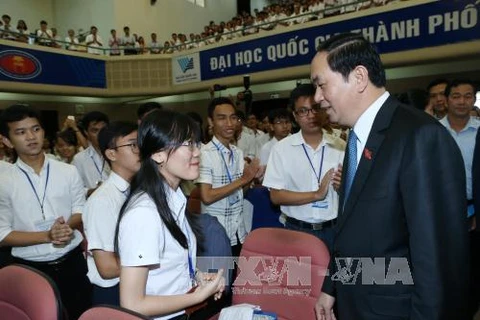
{"x":144,"y":240}
{"x":100,"y":221}
{"x":289,"y":168}
{"x":20,"y":210}
{"x":214,"y":160}
{"x":91,"y":166}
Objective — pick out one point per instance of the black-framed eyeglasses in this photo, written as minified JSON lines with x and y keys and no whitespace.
{"x":133,"y":146}
{"x":303,"y":112}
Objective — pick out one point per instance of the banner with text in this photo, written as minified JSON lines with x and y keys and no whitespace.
{"x":42,"y":67}
{"x":427,"y":25}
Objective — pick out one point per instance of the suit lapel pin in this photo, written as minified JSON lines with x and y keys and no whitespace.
{"x":367,"y":154}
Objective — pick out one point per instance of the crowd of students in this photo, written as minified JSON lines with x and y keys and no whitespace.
{"x":271,"y":17}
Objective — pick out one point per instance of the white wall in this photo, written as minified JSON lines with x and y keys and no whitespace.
{"x":74,"y":14}
{"x":32,"y":11}
{"x":258,"y":4}
{"x":168,"y":16}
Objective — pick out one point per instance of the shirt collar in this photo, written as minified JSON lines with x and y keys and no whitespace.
{"x":92,"y":152}
{"x":22,"y":165}
{"x":364,"y":124}
{"x":219,"y":145}
{"x":121,"y":184}
{"x":177,"y":200}
{"x":471,"y":124}
{"x":297,"y":139}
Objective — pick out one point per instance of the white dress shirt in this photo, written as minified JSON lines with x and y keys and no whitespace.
{"x":91,"y":166}
{"x":364,"y":124}
{"x":20,"y":209}
{"x":144,"y":240}
{"x":266,"y":150}
{"x":100,"y":221}
{"x":290,"y":169}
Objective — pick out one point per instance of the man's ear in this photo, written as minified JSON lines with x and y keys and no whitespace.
{"x":360,"y":76}
{"x":7,"y":142}
{"x":111,"y":155}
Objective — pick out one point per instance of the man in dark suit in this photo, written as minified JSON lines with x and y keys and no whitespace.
{"x":401,"y":246}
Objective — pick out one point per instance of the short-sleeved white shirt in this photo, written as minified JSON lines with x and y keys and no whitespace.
{"x":265,"y":151}
{"x":213,"y":171}
{"x":21,"y":211}
{"x":91,"y":166}
{"x":5,"y":167}
{"x":100,"y":221}
{"x":289,"y":169}
{"x":144,"y":240}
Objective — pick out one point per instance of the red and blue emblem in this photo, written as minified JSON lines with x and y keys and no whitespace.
{"x":19,"y":65}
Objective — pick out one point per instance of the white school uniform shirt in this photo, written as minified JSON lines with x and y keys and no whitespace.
{"x":290,"y":169}
{"x":144,"y":240}
{"x":100,"y":221}
{"x":265,"y":151}
{"x":91,"y":166}
{"x":213,"y":171}
{"x":5,"y":167}
{"x":92,"y":47}
{"x":21,"y":211}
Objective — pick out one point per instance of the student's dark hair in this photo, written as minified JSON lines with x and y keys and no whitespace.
{"x":346,"y":51}
{"x":145,"y":108}
{"x":43,"y":22}
{"x":93,"y":116}
{"x":159,"y":130}
{"x":457,"y":82}
{"x":93,"y":27}
{"x":216,"y":102}
{"x":24,"y":23}
{"x":303,"y":90}
{"x":68,"y":135}
{"x":109,"y":134}
{"x":113,"y":30}
{"x":6,"y":16}
{"x":278,"y":114}
{"x":14,"y":113}
{"x":436,"y":82}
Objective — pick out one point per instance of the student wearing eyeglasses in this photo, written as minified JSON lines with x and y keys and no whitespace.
{"x":301,"y":167}
{"x":118,"y":144}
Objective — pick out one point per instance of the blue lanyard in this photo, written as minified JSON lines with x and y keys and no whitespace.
{"x":319,"y":175}
{"x":191,"y":271}
{"x":98,"y":169}
{"x":35,"y":190}
{"x":225,"y":162}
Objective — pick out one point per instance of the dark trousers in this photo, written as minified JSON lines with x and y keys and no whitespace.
{"x":109,"y":295}
{"x":70,"y":276}
{"x":327,"y":234}
{"x":474,"y":298}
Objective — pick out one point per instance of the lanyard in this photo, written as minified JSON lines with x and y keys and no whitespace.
{"x":191,"y":270}
{"x":319,"y":175}
{"x":98,"y":169}
{"x":35,"y":191}
{"x":225,"y":162}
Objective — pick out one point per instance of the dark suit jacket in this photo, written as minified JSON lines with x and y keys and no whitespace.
{"x":407,"y":201}
{"x":476,"y":178}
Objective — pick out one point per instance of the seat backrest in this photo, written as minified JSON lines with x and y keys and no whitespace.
{"x":104,"y":312}
{"x":194,"y":202}
{"x":282,"y":271}
{"x":28,"y":294}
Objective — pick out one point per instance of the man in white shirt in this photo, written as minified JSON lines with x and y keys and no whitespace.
{"x":71,"y":41}
{"x":223,"y":173}
{"x":128,"y":42}
{"x":44,"y":35}
{"x":300,"y":168}
{"x":93,"y":41}
{"x":243,"y":139}
{"x":281,"y":126}
{"x":90,"y":163}
{"x":41,"y":202}
{"x":118,"y":143}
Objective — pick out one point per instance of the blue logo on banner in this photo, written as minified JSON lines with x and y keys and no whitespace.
{"x":185,"y":64}
{"x":19,"y":65}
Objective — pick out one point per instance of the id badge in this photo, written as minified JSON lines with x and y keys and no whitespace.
{"x":233,"y":198}
{"x":44,"y":225}
{"x":320,"y":204}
